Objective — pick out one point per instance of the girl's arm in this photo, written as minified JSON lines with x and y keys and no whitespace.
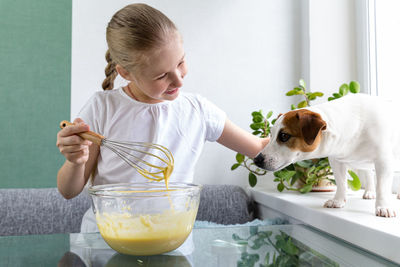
{"x":239,"y":140}
{"x":81,"y":157}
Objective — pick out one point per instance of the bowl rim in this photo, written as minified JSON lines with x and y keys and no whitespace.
{"x":157,"y":189}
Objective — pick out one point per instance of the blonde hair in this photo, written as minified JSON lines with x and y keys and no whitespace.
{"x":132,"y":32}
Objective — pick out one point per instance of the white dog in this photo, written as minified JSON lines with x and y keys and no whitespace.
{"x":355,"y":132}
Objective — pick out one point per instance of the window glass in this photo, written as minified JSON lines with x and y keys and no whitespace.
{"x":387,"y":34}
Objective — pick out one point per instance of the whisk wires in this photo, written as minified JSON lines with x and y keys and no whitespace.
{"x":132,"y":154}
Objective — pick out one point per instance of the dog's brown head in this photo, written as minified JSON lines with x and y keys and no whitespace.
{"x":294,"y":133}
{"x":301,"y":130}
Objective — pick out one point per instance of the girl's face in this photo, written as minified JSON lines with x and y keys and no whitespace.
{"x":162,"y":74}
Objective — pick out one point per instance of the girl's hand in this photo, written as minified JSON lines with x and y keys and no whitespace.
{"x":74,"y":148}
{"x":265,"y":141}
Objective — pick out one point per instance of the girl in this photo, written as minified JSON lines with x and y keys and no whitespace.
{"x":145,"y":48}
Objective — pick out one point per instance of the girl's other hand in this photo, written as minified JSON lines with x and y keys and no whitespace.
{"x":265,"y":141}
{"x":74,"y":148}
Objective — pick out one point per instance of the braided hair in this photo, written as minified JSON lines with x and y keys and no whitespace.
{"x":131,"y":33}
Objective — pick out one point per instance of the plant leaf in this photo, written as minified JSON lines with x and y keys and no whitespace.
{"x":302,"y":83}
{"x":253,"y":230}
{"x":236,"y":237}
{"x":311,"y":179}
{"x":344,"y":89}
{"x":280,"y":187}
{"x":310,"y":170}
{"x":292,"y":107}
{"x":258,"y":118}
{"x":285,"y":174}
{"x":252,"y":179}
{"x":318,"y":94}
{"x":336,"y":95}
{"x":264,"y":234}
{"x":256,"y":113}
{"x":235,"y":166}
{"x":294,"y":179}
{"x":302,"y":104}
{"x":239,"y":157}
{"x":354,"y":87}
{"x":266,"y":259}
{"x":304,"y":163}
{"x":355,"y":184}
{"x":269,"y":114}
{"x":255,"y":126}
{"x":290,"y":248}
{"x":305,"y":189}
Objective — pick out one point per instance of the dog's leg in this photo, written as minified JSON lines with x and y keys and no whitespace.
{"x":339,"y":172}
{"x":368,"y":177}
{"x":384,"y":179}
{"x":398,"y":192}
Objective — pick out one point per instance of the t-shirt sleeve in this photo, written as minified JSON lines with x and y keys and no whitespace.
{"x":89,"y":113}
{"x":214,"y":119}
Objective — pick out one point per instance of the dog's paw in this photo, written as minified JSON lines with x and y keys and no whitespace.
{"x":385,"y":212}
{"x":369,"y":194}
{"x":334,"y":203}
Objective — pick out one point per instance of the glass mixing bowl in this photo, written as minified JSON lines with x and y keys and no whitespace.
{"x":144,"y":218}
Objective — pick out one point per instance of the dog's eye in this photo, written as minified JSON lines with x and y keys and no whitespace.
{"x":283,"y":137}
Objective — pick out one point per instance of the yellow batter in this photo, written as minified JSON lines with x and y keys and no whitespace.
{"x":146,"y":234}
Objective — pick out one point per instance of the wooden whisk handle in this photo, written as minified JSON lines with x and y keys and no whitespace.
{"x":89,"y":135}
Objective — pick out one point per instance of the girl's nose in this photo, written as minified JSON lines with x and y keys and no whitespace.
{"x":177,"y":80}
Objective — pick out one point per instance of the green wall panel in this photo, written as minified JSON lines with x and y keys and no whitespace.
{"x":35,"y":72}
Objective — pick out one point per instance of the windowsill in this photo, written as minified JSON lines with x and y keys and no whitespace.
{"x":356,"y":223}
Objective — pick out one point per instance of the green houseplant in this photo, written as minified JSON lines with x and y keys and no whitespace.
{"x":301,"y":176}
{"x":287,"y":251}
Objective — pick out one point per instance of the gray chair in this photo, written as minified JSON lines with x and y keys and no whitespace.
{"x":45,"y":211}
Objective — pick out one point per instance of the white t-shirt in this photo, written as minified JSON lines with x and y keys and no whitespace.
{"x":182,"y":125}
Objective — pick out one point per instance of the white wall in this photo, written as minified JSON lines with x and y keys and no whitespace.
{"x":242,"y":55}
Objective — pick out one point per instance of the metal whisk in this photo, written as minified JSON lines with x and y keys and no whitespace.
{"x":136,"y":154}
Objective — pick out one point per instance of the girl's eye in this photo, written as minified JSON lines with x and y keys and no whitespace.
{"x":162,"y":76}
{"x":283,"y":137}
{"x":180,"y":63}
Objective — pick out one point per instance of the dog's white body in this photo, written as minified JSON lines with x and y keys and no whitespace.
{"x":361,"y":133}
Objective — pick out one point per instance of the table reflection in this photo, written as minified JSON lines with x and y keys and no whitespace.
{"x":117,"y":260}
{"x":273,"y":245}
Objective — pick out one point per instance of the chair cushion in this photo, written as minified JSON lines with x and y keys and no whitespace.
{"x":225,"y":204}
{"x":40,"y":211}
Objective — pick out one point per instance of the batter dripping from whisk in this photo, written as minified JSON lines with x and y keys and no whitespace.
{"x":146,"y":49}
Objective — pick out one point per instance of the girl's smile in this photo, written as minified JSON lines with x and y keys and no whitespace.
{"x":173,"y":91}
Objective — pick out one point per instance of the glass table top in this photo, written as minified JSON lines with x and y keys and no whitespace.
{"x":269,"y":245}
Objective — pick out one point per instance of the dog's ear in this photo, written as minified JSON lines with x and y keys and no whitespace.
{"x":311,"y":124}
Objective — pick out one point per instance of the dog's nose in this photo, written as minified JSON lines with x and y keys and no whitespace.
{"x":259,"y":161}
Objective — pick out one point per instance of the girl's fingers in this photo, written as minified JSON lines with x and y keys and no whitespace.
{"x":87,"y":142}
{"x":73,"y":148}
{"x":74,"y":129}
{"x":71,"y":140}
{"x":78,"y":120}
